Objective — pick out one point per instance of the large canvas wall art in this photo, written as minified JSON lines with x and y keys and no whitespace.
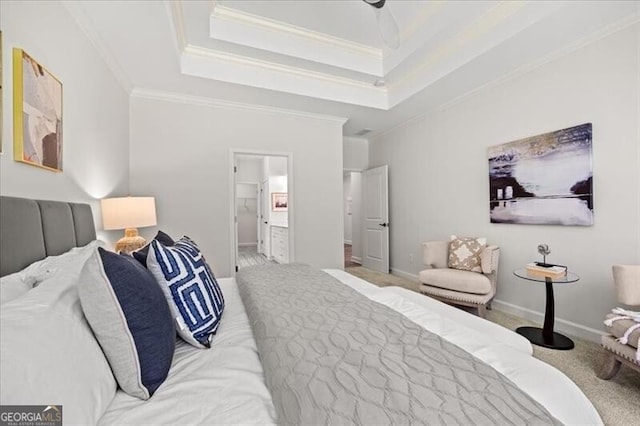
{"x":543,"y":180}
{"x":37,"y":113}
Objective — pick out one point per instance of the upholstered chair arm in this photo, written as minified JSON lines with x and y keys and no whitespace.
{"x":436,"y":254}
{"x":489,"y":259}
{"x":627,"y":281}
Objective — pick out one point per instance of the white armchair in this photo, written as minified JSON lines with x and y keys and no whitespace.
{"x":455,"y":286}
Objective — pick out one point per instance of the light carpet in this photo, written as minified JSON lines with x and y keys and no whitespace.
{"x":617,"y":400}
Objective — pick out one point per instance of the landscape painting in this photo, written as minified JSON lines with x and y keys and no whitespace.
{"x":543,"y":180}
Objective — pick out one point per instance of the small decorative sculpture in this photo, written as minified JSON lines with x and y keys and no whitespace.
{"x":543,"y":249}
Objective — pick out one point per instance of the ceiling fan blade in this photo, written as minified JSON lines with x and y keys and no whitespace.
{"x":387,"y":25}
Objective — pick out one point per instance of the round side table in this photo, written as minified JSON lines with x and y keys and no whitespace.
{"x":545,"y":336}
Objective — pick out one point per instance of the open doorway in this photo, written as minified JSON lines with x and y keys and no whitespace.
{"x":352,"y":188}
{"x":262,"y":209}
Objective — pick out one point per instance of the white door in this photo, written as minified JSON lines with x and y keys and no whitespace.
{"x":258,"y":219}
{"x":264,"y":219}
{"x":375,"y":201}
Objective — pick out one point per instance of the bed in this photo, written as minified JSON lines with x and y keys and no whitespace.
{"x":235,"y":381}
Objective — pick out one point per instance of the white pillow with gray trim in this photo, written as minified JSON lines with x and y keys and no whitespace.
{"x":49,"y":355}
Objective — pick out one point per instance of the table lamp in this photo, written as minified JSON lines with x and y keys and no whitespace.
{"x":128,"y":213}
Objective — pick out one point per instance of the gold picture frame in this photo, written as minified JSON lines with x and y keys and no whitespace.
{"x":37,"y":114}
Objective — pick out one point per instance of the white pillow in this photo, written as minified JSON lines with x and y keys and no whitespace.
{"x":19,"y":283}
{"x":13,"y":286}
{"x":39,"y":271}
{"x":48,"y":354}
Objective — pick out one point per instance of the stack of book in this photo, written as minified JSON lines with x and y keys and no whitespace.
{"x":554,"y":271}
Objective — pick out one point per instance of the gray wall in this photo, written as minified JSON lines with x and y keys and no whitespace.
{"x":439,"y":176}
{"x":181,"y":154}
{"x":95,"y":110}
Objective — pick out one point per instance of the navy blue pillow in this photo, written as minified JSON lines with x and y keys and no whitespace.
{"x":130,"y":317}
{"x":162,"y":238}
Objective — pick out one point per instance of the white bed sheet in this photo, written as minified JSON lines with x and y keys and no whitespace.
{"x":221,"y":385}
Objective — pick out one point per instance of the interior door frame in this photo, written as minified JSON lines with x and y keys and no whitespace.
{"x":233,"y":208}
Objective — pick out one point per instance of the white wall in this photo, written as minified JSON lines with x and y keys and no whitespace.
{"x":249,"y":169}
{"x":180,"y":153}
{"x":274,"y":166}
{"x":356,"y":153}
{"x":439,"y":175}
{"x":95,"y":115}
{"x":348,"y":206}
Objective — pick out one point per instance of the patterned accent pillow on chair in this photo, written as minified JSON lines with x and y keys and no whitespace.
{"x":464,"y":253}
{"x":194,"y":297}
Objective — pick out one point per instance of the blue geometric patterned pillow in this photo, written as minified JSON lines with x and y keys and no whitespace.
{"x":194,"y":297}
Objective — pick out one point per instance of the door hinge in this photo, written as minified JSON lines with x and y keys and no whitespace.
{"x":235,"y":170}
{"x":235,"y":218}
{"x":236,"y":268}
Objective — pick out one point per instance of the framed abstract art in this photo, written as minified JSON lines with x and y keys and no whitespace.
{"x":543,"y":180}
{"x":37,"y":114}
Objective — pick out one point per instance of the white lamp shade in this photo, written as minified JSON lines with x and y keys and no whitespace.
{"x":128,"y":212}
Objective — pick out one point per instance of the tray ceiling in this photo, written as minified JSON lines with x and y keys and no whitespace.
{"x":328,"y":57}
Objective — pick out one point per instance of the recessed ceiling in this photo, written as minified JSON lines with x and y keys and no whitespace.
{"x":325,"y":56}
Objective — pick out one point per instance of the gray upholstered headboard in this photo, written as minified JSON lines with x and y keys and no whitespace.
{"x":31,"y":230}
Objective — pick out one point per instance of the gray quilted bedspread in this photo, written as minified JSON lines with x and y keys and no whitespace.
{"x":331,"y":356}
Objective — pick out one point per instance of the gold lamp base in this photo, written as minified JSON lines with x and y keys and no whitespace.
{"x":130,"y":242}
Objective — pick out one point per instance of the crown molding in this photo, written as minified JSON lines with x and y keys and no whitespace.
{"x":604,"y":32}
{"x":161,"y":95}
{"x":233,"y":58}
{"x":236,"y":69}
{"x":74,"y":8}
{"x":378,"y":96}
{"x":176,"y":13}
{"x":245,"y":18}
{"x":479,"y":27}
{"x":523,"y":70}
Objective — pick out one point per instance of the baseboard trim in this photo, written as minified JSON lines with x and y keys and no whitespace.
{"x":403,"y":274}
{"x":356,"y":259}
{"x":247,"y":244}
{"x":563,"y":326}
{"x":348,"y":242}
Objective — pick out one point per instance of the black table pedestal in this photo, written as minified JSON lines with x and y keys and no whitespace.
{"x":536,"y":336}
{"x":545,"y":336}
